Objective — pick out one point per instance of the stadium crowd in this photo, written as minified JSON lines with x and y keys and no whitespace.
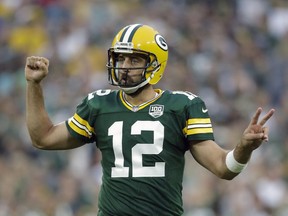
{"x":231,"y":53}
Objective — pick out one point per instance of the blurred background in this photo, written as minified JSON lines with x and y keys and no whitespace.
{"x":233,"y":54}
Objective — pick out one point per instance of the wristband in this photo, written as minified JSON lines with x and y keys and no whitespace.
{"x":233,"y":165}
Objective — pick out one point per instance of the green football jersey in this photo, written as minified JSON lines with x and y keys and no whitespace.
{"x":142,"y":148}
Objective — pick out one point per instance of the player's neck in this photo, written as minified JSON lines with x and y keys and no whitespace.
{"x":145,"y":95}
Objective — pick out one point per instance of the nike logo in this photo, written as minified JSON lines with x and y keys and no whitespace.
{"x":204,"y":110}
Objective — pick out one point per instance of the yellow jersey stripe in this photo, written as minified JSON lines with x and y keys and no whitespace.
{"x":198,"y":126}
{"x":123,"y":101}
{"x":199,"y":131}
{"x":83,"y":122}
{"x":199,"y":121}
{"x":77,"y":129}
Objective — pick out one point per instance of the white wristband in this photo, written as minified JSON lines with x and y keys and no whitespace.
{"x":233,"y":165}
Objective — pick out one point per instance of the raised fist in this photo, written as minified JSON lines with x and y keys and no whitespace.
{"x":36,"y":68}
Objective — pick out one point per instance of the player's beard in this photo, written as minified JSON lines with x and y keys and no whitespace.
{"x":128,"y":80}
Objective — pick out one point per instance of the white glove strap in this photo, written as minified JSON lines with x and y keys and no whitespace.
{"x":233,"y":165}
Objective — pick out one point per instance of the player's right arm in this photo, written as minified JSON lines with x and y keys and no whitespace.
{"x":44,"y":134}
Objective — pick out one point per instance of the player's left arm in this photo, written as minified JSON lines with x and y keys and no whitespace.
{"x":210,"y":155}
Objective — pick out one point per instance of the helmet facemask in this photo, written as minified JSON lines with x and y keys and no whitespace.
{"x":151,"y":66}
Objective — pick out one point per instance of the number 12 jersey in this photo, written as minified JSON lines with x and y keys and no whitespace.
{"x":142,"y":147}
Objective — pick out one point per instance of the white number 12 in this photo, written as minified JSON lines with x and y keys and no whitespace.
{"x":138,"y":170}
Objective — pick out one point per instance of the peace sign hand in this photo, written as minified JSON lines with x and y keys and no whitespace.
{"x":256,"y":132}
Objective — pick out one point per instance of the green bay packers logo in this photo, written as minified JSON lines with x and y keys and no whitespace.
{"x":156,"y":110}
{"x":161,"y":42}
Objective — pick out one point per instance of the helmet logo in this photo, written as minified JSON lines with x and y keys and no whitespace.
{"x":161,"y":42}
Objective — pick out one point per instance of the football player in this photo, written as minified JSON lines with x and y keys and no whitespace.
{"x":143,"y":133}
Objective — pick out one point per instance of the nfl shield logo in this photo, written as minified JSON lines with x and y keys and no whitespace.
{"x":156,"y":110}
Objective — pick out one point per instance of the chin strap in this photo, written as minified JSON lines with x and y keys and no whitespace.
{"x":134,"y":89}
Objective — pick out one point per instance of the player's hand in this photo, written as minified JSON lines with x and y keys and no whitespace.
{"x":36,"y":68}
{"x":256,"y":132}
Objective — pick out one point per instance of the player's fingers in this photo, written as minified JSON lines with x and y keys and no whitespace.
{"x":255,"y":118}
{"x":45,"y":61}
{"x":41,"y":63}
{"x":265,"y":133}
{"x":32,"y":61}
{"x":267,"y":117}
{"x":254,"y":136}
{"x":35,"y":62}
{"x":265,"y":130}
{"x":29,"y":60}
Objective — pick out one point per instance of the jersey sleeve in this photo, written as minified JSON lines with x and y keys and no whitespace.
{"x":80,"y":125}
{"x":198,"y":122}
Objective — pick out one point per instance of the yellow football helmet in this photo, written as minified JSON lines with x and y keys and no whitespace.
{"x":140,"y":40}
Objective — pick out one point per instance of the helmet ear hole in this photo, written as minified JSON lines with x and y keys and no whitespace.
{"x":154,"y":63}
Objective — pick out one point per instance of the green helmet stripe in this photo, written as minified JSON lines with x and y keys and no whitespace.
{"x":129,"y":33}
